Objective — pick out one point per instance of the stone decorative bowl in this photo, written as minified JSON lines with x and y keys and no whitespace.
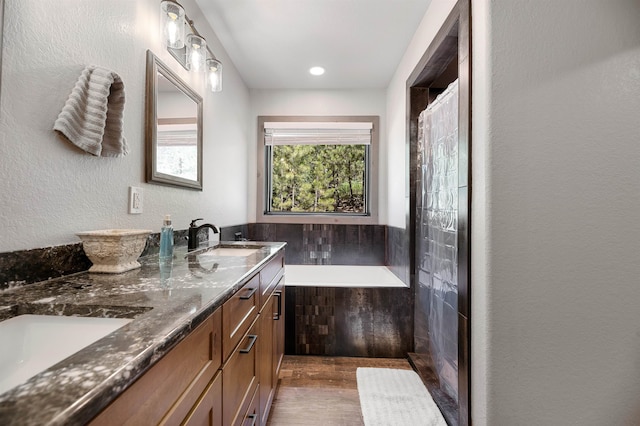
{"x":113,"y":251}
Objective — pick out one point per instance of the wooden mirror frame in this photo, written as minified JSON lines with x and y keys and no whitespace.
{"x":155,"y":67}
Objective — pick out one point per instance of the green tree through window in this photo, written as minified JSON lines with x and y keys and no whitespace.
{"x":318,"y":178}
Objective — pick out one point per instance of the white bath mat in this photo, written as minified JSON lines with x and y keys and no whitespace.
{"x":392,"y":397}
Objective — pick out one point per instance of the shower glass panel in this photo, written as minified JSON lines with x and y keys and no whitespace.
{"x":436,"y":313}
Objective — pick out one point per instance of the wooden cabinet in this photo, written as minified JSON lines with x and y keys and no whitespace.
{"x":253,"y":412}
{"x":208,"y":409}
{"x":268,"y":330}
{"x":240,"y":378}
{"x":225,"y":372}
{"x":172,"y":388}
{"x":265,"y":355}
{"x":268,"y":275}
{"x":278,"y":331}
{"x":271,"y":349}
{"x":238,"y":313}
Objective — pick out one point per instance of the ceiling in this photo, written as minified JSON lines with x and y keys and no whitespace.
{"x":273,"y":43}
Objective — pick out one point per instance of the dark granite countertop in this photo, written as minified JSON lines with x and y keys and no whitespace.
{"x":166,"y":306}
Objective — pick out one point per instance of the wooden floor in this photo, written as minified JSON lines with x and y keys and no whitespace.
{"x":317,"y":390}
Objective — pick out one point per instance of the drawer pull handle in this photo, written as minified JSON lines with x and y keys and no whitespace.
{"x":253,"y":339}
{"x":278,"y":314}
{"x":253,"y":418}
{"x":252,"y":291}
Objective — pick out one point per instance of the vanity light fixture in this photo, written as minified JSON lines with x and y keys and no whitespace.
{"x":172,"y":24}
{"x":189,"y":50}
{"x":196,"y":53}
{"x":214,"y":74}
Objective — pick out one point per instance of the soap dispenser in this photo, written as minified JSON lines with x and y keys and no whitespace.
{"x":166,"y":239}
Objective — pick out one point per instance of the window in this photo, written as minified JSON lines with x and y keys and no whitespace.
{"x":317,"y":169}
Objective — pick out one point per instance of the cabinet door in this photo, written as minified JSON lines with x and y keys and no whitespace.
{"x":173,"y":384}
{"x":266,"y":359}
{"x":271,"y":349}
{"x":268,"y":277}
{"x":278,"y":330}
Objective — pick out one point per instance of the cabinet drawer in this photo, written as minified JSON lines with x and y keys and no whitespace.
{"x":240,"y":378}
{"x":199,"y":386}
{"x":238,"y":314}
{"x":253,"y":412}
{"x":174,"y":383}
{"x":268,"y":276}
{"x":208,"y":410}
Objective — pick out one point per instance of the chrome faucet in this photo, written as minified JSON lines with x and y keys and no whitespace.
{"x":192,"y":242}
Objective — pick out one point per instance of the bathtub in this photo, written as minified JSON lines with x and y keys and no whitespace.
{"x":341,"y":276}
{"x":339,"y":310}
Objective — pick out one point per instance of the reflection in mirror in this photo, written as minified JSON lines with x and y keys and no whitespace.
{"x":177,"y":138}
{"x":174,"y":128}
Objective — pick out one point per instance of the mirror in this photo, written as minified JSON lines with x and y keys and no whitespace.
{"x":174,"y":128}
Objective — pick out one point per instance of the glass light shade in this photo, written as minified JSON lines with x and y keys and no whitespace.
{"x":214,"y":74}
{"x":172,"y":24}
{"x":196,"y":53}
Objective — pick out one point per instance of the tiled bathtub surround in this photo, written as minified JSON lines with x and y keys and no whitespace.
{"x":317,"y":244}
{"x":342,"y":321}
{"x":311,"y":244}
{"x":397,"y":249}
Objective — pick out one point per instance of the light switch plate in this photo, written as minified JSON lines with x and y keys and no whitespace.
{"x":135,"y":200}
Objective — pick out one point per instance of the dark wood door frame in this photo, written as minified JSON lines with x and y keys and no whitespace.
{"x":452,"y":43}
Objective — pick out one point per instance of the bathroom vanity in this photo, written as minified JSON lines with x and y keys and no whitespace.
{"x":204,"y":346}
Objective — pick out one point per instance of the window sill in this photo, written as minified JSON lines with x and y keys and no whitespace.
{"x":317,"y":219}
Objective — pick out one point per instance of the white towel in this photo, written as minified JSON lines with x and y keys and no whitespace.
{"x":92,"y":117}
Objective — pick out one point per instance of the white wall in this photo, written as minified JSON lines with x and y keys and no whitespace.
{"x":50,"y":189}
{"x":556,"y":236}
{"x":317,"y":102}
{"x":397,"y":154}
{"x":556,"y":94}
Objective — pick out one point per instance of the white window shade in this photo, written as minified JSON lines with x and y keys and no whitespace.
{"x":317,"y":133}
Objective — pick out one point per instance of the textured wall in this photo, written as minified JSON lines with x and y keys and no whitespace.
{"x":555,"y":243}
{"x":50,"y":189}
{"x":396,"y":154}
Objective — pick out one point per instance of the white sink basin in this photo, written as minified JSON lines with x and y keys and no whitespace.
{"x":228,"y":251}
{"x":33,"y":343}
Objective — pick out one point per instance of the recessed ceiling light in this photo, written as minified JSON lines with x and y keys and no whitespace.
{"x":316,"y":70}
